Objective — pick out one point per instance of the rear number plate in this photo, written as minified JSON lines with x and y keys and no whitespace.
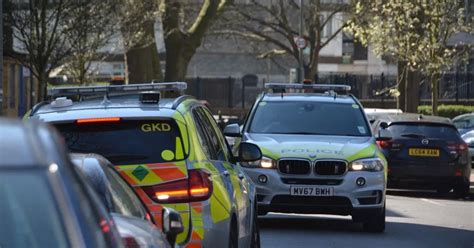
{"x":423,"y":152}
{"x":312,"y":191}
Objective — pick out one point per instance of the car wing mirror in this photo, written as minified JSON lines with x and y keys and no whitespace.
{"x":232,"y":130}
{"x":172,"y":225}
{"x":249,"y":152}
{"x":383,"y":134}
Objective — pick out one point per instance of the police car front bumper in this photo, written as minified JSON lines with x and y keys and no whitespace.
{"x":346,"y":197}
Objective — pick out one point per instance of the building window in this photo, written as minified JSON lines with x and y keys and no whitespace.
{"x":327,"y":29}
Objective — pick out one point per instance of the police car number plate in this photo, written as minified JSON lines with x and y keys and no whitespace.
{"x":311,"y":191}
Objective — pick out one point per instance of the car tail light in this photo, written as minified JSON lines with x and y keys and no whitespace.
{"x":104,"y":226}
{"x":197,"y":187}
{"x":384,"y":144}
{"x":130,"y":242}
{"x":148,"y":217}
{"x":96,"y":120}
{"x":460,"y":147}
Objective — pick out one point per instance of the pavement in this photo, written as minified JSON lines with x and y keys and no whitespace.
{"x":414,"y":219}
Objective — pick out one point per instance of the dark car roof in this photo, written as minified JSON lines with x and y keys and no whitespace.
{"x":25,"y":144}
{"x":316,"y":97}
{"x":409,"y":117}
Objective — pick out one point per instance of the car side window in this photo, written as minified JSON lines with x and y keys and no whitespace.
{"x":218,"y":150}
{"x":203,"y":137}
{"x":222,"y":141}
{"x":124,"y":200}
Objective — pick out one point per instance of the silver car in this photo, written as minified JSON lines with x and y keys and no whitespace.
{"x":319,"y":154}
{"x":469,"y":139}
{"x":132,"y":219}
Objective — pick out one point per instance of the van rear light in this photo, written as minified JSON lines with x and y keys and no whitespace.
{"x":384,"y":144}
{"x":197,"y":187}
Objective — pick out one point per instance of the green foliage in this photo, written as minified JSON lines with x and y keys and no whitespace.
{"x":416,"y":32}
{"x":449,"y":111}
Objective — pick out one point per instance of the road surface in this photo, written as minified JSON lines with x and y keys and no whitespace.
{"x":414,"y":219}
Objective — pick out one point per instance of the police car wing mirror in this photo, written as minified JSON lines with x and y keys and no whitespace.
{"x":172,"y":225}
{"x":383,"y":125}
{"x":249,"y":152}
{"x":232,"y":130}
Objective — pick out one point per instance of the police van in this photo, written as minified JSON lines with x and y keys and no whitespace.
{"x":319,"y":154}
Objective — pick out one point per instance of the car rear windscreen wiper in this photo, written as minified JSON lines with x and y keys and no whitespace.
{"x":413,"y":135}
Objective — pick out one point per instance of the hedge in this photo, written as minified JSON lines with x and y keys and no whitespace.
{"x":449,"y":111}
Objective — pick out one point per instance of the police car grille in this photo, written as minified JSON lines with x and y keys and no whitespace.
{"x":330,"y":167}
{"x":307,"y":181}
{"x":290,"y":166}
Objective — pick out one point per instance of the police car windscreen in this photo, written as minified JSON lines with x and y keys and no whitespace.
{"x":309,"y":117}
{"x":127,"y":141}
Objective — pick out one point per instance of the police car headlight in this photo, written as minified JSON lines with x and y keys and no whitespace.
{"x":265,"y":162}
{"x":369,"y":164}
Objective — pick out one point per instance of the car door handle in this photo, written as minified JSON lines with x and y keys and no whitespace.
{"x":226,"y":173}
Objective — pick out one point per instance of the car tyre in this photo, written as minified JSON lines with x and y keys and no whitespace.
{"x":255,"y":242}
{"x":461,"y":190}
{"x":375,"y":223}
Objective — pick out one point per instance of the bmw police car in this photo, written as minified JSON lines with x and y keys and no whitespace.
{"x":170,"y":150}
{"x":319,"y":154}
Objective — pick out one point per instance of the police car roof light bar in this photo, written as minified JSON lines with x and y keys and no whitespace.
{"x":130,"y":88}
{"x":314,"y":88}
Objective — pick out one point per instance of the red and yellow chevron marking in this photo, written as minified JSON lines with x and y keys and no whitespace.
{"x":151,"y":174}
{"x":195,"y":241}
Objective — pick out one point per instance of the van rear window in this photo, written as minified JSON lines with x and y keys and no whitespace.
{"x":127,"y":141}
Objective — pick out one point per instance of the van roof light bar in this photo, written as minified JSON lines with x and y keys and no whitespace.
{"x":309,"y":88}
{"x":130,"y":88}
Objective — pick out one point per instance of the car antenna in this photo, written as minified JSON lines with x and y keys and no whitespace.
{"x":106,"y":98}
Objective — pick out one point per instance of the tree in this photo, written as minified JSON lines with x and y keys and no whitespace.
{"x":48,"y":31}
{"x":137,"y":28}
{"x":92,"y":30}
{"x":277,"y":24}
{"x":416,"y":32}
{"x":182,"y":40}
